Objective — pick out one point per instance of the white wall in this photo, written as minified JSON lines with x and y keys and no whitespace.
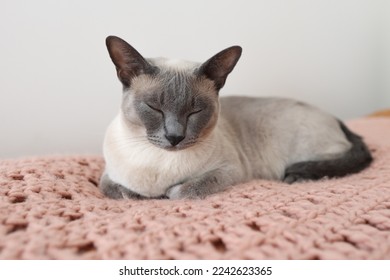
{"x":58,"y":88}
{"x":386,"y":50}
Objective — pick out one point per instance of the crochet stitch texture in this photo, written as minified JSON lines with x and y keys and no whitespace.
{"x":51,"y":208}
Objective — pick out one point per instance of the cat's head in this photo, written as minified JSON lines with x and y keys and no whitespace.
{"x":176,"y":102}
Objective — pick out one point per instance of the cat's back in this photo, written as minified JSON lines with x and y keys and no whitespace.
{"x":244,"y":108}
{"x":281,"y":117}
{"x":276,"y":131}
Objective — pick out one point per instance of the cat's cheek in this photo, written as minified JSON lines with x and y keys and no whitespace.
{"x":201,"y":125}
{"x":152,"y":122}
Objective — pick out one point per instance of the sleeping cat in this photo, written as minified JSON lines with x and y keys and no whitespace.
{"x":174,"y":137}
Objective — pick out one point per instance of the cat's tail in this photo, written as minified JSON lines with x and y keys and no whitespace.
{"x":358,"y":157}
{"x":354,"y":160}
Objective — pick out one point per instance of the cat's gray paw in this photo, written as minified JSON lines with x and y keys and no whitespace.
{"x":174,"y":192}
{"x":119,"y":192}
{"x":183,"y":191}
{"x":295,"y":177}
{"x":298,"y":172}
{"x":292,"y":178}
{"x":127,"y":194}
{"x":116,"y":191}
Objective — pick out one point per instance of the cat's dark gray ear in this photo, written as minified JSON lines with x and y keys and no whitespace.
{"x":128,"y":61}
{"x":220,"y":65}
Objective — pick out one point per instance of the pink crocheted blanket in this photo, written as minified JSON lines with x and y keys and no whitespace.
{"x":51,"y":208}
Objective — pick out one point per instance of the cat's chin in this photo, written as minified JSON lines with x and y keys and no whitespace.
{"x":176,"y":148}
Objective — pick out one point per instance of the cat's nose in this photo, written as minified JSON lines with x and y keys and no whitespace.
{"x":174,"y":139}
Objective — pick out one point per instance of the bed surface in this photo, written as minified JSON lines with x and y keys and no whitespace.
{"x":51,"y":208}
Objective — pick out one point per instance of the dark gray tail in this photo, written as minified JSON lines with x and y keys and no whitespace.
{"x":354,"y":160}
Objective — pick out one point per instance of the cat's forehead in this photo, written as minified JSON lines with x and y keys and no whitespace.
{"x":165,"y":82}
{"x":172,"y":73}
{"x":169,"y":64}
{"x":175,"y":77}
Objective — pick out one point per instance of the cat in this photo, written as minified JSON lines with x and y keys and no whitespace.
{"x":175,"y":138}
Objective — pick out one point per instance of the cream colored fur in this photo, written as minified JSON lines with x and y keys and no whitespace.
{"x":150,"y":171}
{"x":261,"y":143}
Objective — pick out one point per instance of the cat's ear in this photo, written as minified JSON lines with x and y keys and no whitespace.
{"x":128,"y":61}
{"x":220,"y":65}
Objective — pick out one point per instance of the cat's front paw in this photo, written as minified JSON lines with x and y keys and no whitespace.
{"x":183,"y":191}
{"x":174,"y":192}
{"x":116,"y":191}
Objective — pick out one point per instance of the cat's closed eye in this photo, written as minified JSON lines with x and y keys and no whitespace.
{"x":154,"y":108}
{"x":195,"y":112}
